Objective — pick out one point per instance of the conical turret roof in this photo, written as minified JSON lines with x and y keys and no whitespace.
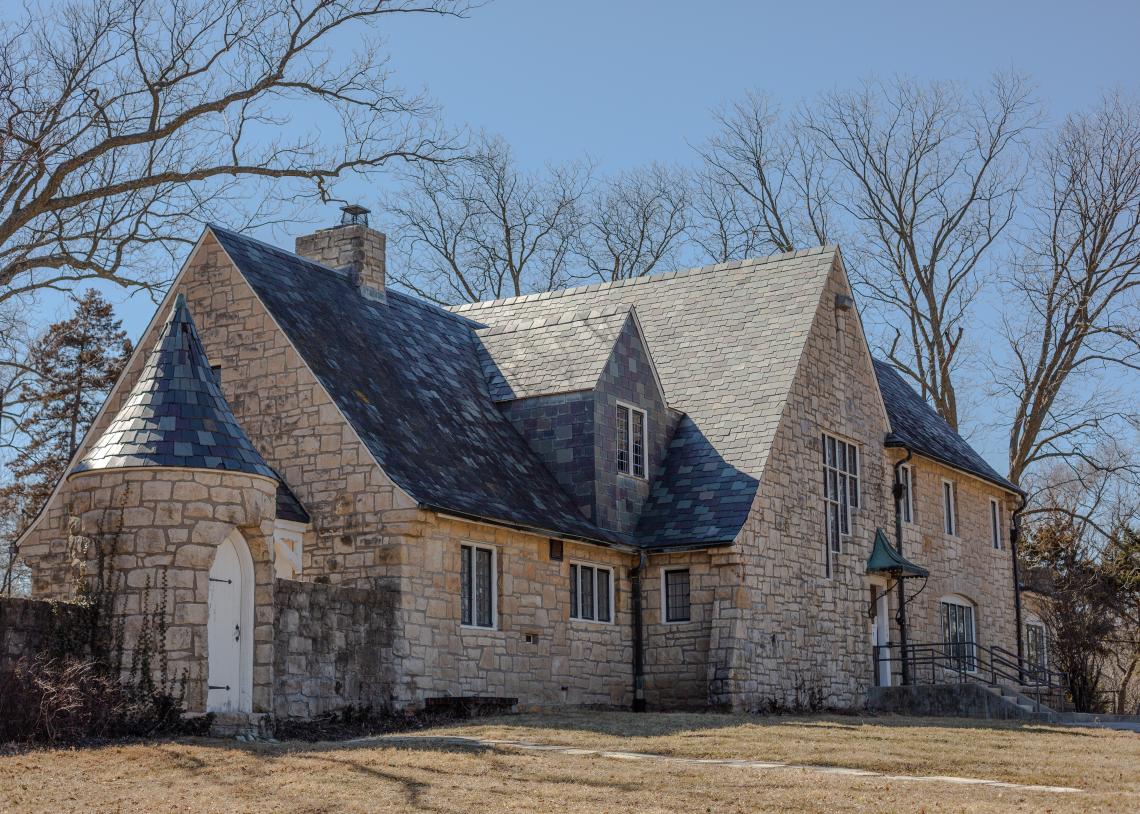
{"x":176,"y":415}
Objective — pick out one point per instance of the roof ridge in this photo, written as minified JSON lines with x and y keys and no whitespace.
{"x":649,"y":278}
{"x":579,"y":315}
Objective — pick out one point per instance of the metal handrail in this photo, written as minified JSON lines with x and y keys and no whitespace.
{"x":971,"y":662}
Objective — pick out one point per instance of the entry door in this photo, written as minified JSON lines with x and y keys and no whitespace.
{"x":881,"y":636}
{"x":223,"y":632}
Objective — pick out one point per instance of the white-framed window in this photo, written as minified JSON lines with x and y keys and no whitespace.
{"x":995,"y":523}
{"x":479,"y":581}
{"x":631,"y":440}
{"x":906,"y":478}
{"x":840,"y":491}
{"x":675,"y":603}
{"x":958,"y":633}
{"x":950,"y":507}
{"x":591,"y":592}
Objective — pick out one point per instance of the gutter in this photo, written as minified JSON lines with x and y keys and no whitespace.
{"x":451,"y":514}
{"x":900,"y":615}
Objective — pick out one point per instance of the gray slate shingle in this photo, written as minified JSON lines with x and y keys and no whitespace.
{"x":917,"y":425}
{"x":176,"y":415}
{"x":726,"y":341}
{"x":540,"y":357}
{"x":406,"y":375}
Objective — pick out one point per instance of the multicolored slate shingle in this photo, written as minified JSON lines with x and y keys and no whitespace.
{"x":176,"y":415}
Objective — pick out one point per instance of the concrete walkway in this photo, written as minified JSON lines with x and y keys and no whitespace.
{"x":486,"y":743}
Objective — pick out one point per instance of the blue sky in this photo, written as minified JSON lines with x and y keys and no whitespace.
{"x":632,"y":82}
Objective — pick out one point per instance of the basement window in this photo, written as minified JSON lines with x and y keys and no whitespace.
{"x":631,"y":440}
{"x":591,"y":593}
{"x":478,"y":586}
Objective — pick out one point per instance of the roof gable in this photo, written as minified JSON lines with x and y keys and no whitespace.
{"x":406,"y":375}
{"x":726,"y":341}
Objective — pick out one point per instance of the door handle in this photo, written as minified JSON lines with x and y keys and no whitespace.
{"x":237,"y":632}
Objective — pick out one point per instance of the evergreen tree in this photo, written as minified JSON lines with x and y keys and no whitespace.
{"x":75,"y":364}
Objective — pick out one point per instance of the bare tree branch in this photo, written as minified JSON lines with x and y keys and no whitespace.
{"x":125,"y":124}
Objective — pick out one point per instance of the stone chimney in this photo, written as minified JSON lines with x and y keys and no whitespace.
{"x":353,"y":246}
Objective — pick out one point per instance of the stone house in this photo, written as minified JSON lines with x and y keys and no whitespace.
{"x":658,"y":492}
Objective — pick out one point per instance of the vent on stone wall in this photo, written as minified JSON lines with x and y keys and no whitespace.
{"x":556,"y":550}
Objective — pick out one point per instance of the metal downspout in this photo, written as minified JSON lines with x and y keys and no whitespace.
{"x":635,"y":578}
{"x":900,"y":615}
{"x":1014,"y":537}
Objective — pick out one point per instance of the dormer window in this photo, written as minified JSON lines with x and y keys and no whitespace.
{"x":631,"y":443}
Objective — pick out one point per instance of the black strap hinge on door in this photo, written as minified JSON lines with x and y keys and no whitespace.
{"x":214,"y":687}
{"x":227,"y":581}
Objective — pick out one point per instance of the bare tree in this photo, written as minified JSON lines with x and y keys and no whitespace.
{"x":1074,"y":326}
{"x":764,"y":186}
{"x":123,"y":122}
{"x":482,"y":228}
{"x":636,"y":223}
{"x":930,"y":176}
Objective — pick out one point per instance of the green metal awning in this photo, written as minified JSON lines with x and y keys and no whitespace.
{"x":885,"y":559}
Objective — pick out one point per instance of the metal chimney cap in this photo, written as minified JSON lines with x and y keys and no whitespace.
{"x":354,"y":215}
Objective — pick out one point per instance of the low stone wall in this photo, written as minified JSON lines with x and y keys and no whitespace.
{"x":32,"y":626}
{"x":333,"y":647}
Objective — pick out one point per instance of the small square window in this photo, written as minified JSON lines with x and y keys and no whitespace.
{"x":676,"y":598}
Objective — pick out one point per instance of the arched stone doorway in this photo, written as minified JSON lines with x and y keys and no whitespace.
{"x":229,"y":633}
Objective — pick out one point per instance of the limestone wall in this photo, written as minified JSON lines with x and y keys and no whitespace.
{"x":966,"y":565}
{"x":536,"y":654}
{"x":333,"y":647}
{"x":357,"y":511}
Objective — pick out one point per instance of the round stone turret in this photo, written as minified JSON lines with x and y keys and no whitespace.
{"x":172,"y":482}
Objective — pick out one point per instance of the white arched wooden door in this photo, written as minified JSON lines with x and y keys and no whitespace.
{"x":229,"y":631}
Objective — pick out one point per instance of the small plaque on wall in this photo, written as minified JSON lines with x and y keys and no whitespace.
{"x":556,"y":550}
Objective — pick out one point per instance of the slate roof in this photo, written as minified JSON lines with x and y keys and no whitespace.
{"x":406,"y":374}
{"x":176,"y":415}
{"x":564,"y":354}
{"x":288,"y":506}
{"x":726,"y":341}
{"x":918,"y":426}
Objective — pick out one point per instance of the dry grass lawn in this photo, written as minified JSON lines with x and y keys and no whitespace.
{"x":216,"y":776}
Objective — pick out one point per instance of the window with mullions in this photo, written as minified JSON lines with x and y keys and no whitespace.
{"x":676,"y":598}
{"x":631,"y":441}
{"x":477,"y":586}
{"x":840,"y":492}
{"x":591,"y":593}
{"x":958,"y":634}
